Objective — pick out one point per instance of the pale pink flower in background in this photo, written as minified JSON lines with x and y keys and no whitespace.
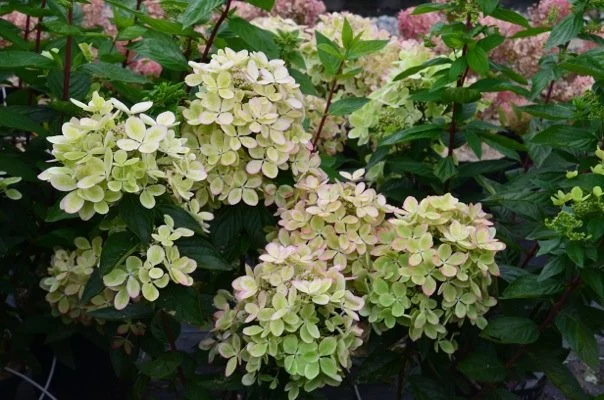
{"x":20,"y":20}
{"x":570,"y":87}
{"x":154,"y":8}
{"x":549,"y":12}
{"x":417,"y":26}
{"x":304,"y":12}
{"x":147,"y":67}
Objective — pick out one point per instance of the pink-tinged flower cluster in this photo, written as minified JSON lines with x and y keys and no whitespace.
{"x":305,"y":12}
{"x":502,"y":108}
{"x":417,"y":26}
{"x":549,"y":12}
{"x":146,"y":67}
{"x":570,"y":87}
{"x":19,"y":20}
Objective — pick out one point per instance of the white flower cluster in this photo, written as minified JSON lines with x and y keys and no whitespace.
{"x":245,"y":125}
{"x":117,"y":150}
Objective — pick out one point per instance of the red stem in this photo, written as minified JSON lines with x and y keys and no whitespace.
{"x":127,"y":55}
{"x":332,"y":90}
{"x":26,"y":37}
{"x":206,"y":52}
{"x":39,"y":28}
{"x":67,"y":66}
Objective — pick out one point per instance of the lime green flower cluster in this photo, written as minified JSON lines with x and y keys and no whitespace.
{"x":291,"y":311}
{"x":390,"y":108}
{"x":245,"y":125}
{"x":68,"y":275}
{"x":578,"y":205}
{"x":432,"y":268}
{"x":143,"y":274}
{"x":118,"y":150}
{"x":374,"y":68}
{"x":5,"y":182}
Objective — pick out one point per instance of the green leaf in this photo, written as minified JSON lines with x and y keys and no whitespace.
{"x":461,"y":95}
{"x":162,"y":48}
{"x":490,"y":42}
{"x":13,"y":34}
{"x":264,"y":4}
{"x":483,"y":367}
{"x":162,"y":367}
{"x":428,"y":131}
{"x":182,"y":218}
{"x":554,"y":267}
{"x":579,"y":337}
{"x":330,"y":62}
{"x":131,"y":32}
{"x":428,"y":8}
{"x":132,"y":311}
{"x":564,"y":380}
{"x":198,"y":11}
{"x":468,"y":170}
{"x":418,"y":68}
{"x":9,"y":118}
{"x":516,"y":330}
{"x":424,"y":388}
{"x":565,"y":136}
{"x":498,"y":85}
{"x":204,"y":253}
{"x":24,"y":59}
{"x":139,"y":219}
{"x":365,"y":47}
{"x":347,"y":35}
{"x":549,"y":111}
{"x":186,"y":304}
{"x":113,"y":72}
{"x":566,"y":30}
{"x":478,"y":60}
{"x":594,"y":278}
{"x":530,"y":32}
{"x":258,"y":39}
{"x":347,"y":106}
{"x":505,"y":14}
{"x":502,"y":140}
{"x":116,"y":249}
{"x":529,"y":286}
{"x":445,"y":169}
{"x":488,"y":6}
{"x":576,"y":253}
{"x":306,"y":85}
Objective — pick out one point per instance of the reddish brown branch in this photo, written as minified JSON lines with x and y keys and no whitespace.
{"x":68,"y":48}
{"x":127,"y":55}
{"x":530,"y":255}
{"x":206,"y":51}
{"x":332,"y":89}
{"x":39,"y":28}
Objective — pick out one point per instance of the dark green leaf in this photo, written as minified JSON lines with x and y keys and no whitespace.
{"x":478,"y":60}
{"x":488,"y":6}
{"x":560,"y":376}
{"x":347,"y":106}
{"x":529,"y":286}
{"x":162,"y":48}
{"x":428,"y":8}
{"x":131,"y":32}
{"x":530,"y":32}
{"x":498,"y":85}
{"x":139,"y":219}
{"x":182,"y":218}
{"x":24,"y":59}
{"x":13,"y":34}
{"x":198,"y":11}
{"x":565,"y":136}
{"x":9,"y":118}
{"x":429,"y":131}
{"x":347,"y":34}
{"x":306,"y":85}
{"x":565,"y":30}
{"x":490,"y":42}
{"x":483,"y":367}
{"x":576,"y":253}
{"x":468,"y":170}
{"x":445,"y":169}
{"x":116,"y":248}
{"x":113,"y":72}
{"x":204,"y":253}
{"x":554,"y":267}
{"x":132,"y":311}
{"x":516,"y":330}
{"x":424,"y":388}
{"x":330,"y":62}
{"x":186,"y":304}
{"x":594,"y":278}
{"x":162,"y":367}
{"x":461,"y":95}
{"x":549,"y":111}
{"x":258,"y":39}
{"x":579,"y":337}
{"x":505,"y":14}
